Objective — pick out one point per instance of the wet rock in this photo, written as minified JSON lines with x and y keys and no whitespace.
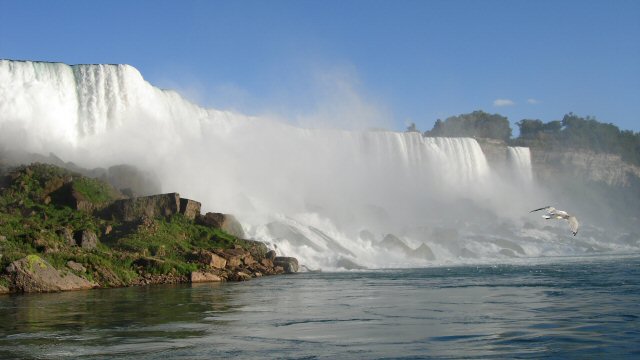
{"x":393,"y":243}
{"x":367,"y":235}
{"x":33,"y":274}
{"x":424,"y":252}
{"x":267,"y":263}
{"x":288,"y":264}
{"x":349,"y":265}
{"x":201,"y":276}
{"x":240,"y":276}
{"x":270,"y":255}
{"x":211,"y":259}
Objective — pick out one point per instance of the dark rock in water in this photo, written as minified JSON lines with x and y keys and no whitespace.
{"x":509,"y":245}
{"x":86,"y":239}
{"x":164,"y":205}
{"x":392,"y":242}
{"x":226,"y":222}
{"x":331,"y":243}
{"x":239,"y":276}
{"x":203,"y":276}
{"x":466,"y":253}
{"x":367,"y":236}
{"x":271,"y":255}
{"x":33,"y":274}
{"x":190,"y":208}
{"x":507,"y":252}
{"x":349,"y":265}
{"x":289,"y":264}
{"x":280,"y":230}
{"x":424,"y":252}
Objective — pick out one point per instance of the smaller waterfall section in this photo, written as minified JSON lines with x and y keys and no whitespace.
{"x":519,"y":159}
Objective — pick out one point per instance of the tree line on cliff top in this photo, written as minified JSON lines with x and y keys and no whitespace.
{"x":572,"y":132}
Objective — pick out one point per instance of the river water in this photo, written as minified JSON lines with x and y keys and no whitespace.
{"x":565,"y":308}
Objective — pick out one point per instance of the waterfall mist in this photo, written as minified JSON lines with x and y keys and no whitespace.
{"x":327,"y":196}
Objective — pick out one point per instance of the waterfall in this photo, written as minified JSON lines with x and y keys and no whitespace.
{"x":520,"y":161}
{"x":326,"y":196}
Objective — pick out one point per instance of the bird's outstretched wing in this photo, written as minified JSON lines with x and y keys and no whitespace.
{"x":573,"y":224}
{"x":542,"y":208}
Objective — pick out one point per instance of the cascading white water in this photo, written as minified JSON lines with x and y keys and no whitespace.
{"x":326,"y":196}
{"x":520,"y":161}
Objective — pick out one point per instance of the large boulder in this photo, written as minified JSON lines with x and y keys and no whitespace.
{"x":225,"y":222}
{"x":86,"y":239}
{"x":202,"y":276}
{"x":67,"y":195}
{"x":289,"y":264}
{"x":33,"y":274}
{"x":190,"y":208}
{"x":210,"y":259}
{"x":154,"y":206}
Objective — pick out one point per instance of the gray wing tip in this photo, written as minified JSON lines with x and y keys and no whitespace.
{"x":542,"y":208}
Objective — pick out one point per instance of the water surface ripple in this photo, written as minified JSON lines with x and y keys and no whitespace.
{"x":578,"y":309}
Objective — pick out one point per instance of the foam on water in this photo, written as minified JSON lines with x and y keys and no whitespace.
{"x":326,"y":196}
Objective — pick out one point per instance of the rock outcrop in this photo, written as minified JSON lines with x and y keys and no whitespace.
{"x":289,"y":264}
{"x":190,"y":208}
{"x":240,"y":264}
{"x":225,"y":222}
{"x":86,"y":239}
{"x":164,"y":205}
{"x":33,"y":274}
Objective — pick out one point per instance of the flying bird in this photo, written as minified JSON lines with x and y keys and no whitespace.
{"x":553,"y":213}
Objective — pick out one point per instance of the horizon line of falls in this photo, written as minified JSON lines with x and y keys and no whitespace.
{"x":332,"y":198}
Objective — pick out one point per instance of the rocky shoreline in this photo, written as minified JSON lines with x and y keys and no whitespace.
{"x":61,"y":231}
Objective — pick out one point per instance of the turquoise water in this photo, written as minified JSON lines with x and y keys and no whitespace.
{"x":587,"y":308}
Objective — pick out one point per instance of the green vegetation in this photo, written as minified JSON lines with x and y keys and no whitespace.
{"x":572,"y":132}
{"x":94,"y":191}
{"x":575,"y":132}
{"x":33,"y":222}
{"x":476,"y":124}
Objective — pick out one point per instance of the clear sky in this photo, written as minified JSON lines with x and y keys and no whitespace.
{"x":404,"y":61}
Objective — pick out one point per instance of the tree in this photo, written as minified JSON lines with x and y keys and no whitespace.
{"x":412,"y":128}
{"x":476,"y":124}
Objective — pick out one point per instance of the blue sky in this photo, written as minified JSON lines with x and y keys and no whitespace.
{"x":404,"y":61}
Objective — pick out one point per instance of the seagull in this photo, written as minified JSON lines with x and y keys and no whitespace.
{"x":553,"y":213}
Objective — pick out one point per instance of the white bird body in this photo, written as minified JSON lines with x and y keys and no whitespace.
{"x":553,"y":213}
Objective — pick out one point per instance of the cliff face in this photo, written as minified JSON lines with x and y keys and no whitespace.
{"x":586,"y":165}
